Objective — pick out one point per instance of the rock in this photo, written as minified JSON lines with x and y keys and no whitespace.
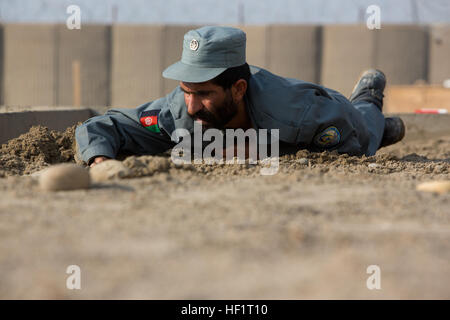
{"x":435,"y":186}
{"x":439,"y":169}
{"x":373,"y":165}
{"x":66,"y":176}
{"x":303,"y":161}
{"x":107,"y":170}
{"x":428,"y":169}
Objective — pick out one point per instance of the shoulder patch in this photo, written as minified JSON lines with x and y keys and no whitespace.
{"x":328,"y":138}
{"x":149,"y":119}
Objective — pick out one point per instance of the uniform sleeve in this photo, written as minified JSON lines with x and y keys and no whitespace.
{"x":332,"y":123}
{"x":119,"y":130}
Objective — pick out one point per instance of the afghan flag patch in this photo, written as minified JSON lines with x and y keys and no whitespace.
{"x":149,"y":119}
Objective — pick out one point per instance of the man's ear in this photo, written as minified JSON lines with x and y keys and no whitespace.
{"x":238,"y":90}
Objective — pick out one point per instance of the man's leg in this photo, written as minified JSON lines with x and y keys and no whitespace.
{"x":375,"y":124}
{"x":367,"y":98}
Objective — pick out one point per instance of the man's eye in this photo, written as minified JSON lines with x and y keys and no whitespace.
{"x":205,"y":94}
{"x":199,"y":94}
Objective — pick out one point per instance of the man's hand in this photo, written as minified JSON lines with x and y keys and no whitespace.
{"x":97,"y":160}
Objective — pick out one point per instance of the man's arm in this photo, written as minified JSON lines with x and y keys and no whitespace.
{"x":119,"y":130}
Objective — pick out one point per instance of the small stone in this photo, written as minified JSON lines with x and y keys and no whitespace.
{"x":435,"y":186}
{"x":66,"y":176}
{"x":428,"y":169}
{"x":373,"y":165}
{"x":438,"y":169}
{"x":303,"y":161}
{"x":109,"y":169}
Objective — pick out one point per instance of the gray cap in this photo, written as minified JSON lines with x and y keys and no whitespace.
{"x":207,"y":52}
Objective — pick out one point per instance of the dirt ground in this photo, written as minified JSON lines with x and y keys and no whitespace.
{"x":227,"y":232}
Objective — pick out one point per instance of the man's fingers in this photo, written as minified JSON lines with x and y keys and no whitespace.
{"x":98,"y":160}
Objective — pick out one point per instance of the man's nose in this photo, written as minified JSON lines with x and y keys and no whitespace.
{"x":194,"y":104}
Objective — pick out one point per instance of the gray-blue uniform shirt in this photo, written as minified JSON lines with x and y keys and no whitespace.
{"x":308,"y":116}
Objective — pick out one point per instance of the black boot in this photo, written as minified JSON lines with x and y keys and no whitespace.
{"x":370,"y":88}
{"x":394,"y":131}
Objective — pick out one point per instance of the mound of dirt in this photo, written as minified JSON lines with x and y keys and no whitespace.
{"x":40,"y":147}
{"x":36,"y":149}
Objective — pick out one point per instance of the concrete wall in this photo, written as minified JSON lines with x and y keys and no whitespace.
{"x":91,"y":47}
{"x":140,"y":53}
{"x":38,"y":64}
{"x":294,"y":51}
{"x":346,"y":51}
{"x":401,"y":52}
{"x":13,"y":124}
{"x":439,"y":61}
{"x":136,"y":64}
{"x":121,"y":65}
{"x":2,"y":48}
{"x":29,"y":64}
{"x":256,"y":51}
{"x":288,"y":50}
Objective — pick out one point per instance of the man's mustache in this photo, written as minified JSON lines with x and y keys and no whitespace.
{"x":205,"y":116}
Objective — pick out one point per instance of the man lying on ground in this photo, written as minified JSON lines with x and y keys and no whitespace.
{"x":218,"y":89}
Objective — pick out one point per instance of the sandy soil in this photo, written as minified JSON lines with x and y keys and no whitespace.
{"x":213,"y":232}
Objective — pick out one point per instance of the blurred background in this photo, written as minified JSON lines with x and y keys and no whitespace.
{"x":118,"y":55}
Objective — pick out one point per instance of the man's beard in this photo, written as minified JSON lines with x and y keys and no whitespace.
{"x":223,"y":114}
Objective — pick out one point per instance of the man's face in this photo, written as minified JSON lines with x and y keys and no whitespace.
{"x":209,"y":104}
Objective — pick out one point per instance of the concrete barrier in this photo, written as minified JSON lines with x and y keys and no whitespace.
{"x":123,"y":67}
{"x":136,"y":64}
{"x":2,"y":48}
{"x":401,"y":53}
{"x":347,"y":50}
{"x":256,"y":52}
{"x":90,"y":46}
{"x":439,"y":62}
{"x":29,"y":64}
{"x":294,"y":51}
{"x":16,"y":121}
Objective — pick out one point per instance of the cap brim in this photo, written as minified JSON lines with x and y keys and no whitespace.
{"x":188,"y":73}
